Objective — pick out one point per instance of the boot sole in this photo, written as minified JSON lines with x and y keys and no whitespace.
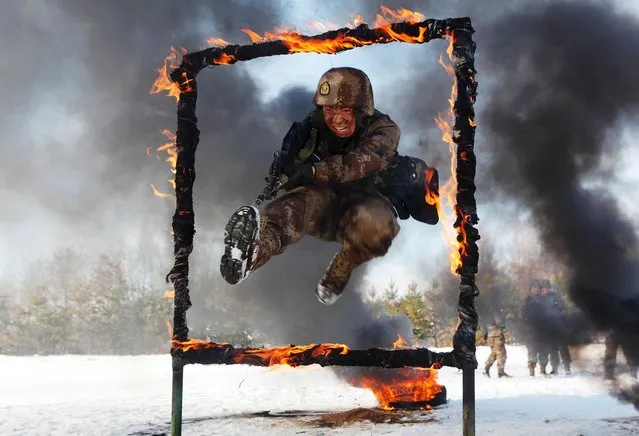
{"x":240,"y":235}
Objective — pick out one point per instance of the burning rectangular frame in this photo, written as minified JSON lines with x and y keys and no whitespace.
{"x":188,"y":351}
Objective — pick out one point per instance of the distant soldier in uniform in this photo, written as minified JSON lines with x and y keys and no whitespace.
{"x":610,"y":356}
{"x":554,"y":310}
{"x":532,"y":319}
{"x":496,"y":340}
{"x":332,"y":191}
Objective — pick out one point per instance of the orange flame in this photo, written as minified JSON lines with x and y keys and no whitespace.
{"x":404,"y":385}
{"x":225,"y":59}
{"x":400,"y":342}
{"x":169,"y":327}
{"x":159,"y":194}
{"x":400,"y":14}
{"x":448,"y":191}
{"x":299,"y":44}
{"x":163,"y":82}
{"x":171,"y":150}
{"x":169,"y":294}
{"x":274,"y":356}
{"x":217,"y":42}
{"x":431,"y":197}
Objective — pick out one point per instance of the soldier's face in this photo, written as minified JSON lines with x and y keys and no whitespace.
{"x":340,"y":120}
{"x":534,"y":291}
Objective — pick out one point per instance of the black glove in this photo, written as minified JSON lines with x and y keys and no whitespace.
{"x":298,"y":175}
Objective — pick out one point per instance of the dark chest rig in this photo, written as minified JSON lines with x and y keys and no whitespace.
{"x":408,"y":182}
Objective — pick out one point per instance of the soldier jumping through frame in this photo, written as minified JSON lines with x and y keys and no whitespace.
{"x":340,"y":187}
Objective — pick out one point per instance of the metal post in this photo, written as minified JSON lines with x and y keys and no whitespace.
{"x":468,"y":402}
{"x":176,"y":399}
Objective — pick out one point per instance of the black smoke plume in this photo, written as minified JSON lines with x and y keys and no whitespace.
{"x":567,"y":84}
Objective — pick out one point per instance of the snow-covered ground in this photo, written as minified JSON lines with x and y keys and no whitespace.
{"x":115,"y":395}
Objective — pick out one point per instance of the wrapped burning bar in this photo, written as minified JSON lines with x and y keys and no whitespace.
{"x":187,"y":139}
{"x":331,"y":42}
{"x":466,"y":215}
{"x":191,"y":352}
{"x":466,"y":208}
{"x":335,"y":41}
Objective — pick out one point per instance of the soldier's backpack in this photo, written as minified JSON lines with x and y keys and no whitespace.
{"x":412,"y":186}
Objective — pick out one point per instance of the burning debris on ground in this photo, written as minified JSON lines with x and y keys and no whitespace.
{"x":398,"y":389}
{"x":376,"y":416}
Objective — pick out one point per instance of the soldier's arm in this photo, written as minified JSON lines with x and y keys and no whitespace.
{"x":372,"y":154}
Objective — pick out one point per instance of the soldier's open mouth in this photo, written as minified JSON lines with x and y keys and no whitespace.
{"x":342,"y":130}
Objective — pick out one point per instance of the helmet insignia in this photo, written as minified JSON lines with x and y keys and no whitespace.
{"x":324,"y":88}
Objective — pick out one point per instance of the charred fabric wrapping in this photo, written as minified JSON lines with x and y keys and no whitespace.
{"x":187,"y":139}
{"x":359,"y":36}
{"x":466,"y":208}
{"x":323,"y":355}
{"x":463,"y":355}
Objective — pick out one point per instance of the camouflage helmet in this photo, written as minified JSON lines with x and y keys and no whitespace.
{"x":345,"y":86}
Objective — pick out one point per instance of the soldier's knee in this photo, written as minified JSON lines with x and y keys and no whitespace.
{"x":372,"y":226}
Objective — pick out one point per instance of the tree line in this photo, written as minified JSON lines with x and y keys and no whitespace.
{"x":72,"y":304}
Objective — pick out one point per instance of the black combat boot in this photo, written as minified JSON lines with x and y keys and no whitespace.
{"x":531,"y":369}
{"x":487,"y":371}
{"x":553,"y":372}
{"x":241,"y":236}
{"x":567,"y":368}
{"x":503,"y":374}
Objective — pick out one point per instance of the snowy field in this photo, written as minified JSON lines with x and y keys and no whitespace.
{"x":115,"y":395}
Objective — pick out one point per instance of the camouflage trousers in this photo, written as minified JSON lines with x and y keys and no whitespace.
{"x":537,"y":353}
{"x":497,"y":353}
{"x":364,"y":223}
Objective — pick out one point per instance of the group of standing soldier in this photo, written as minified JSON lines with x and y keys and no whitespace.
{"x":544,"y":315}
{"x":544,"y":318}
{"x":546,"y":335}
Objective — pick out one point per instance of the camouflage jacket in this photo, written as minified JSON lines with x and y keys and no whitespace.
{"x":351,"y":162}
{"x":495,"y":332}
